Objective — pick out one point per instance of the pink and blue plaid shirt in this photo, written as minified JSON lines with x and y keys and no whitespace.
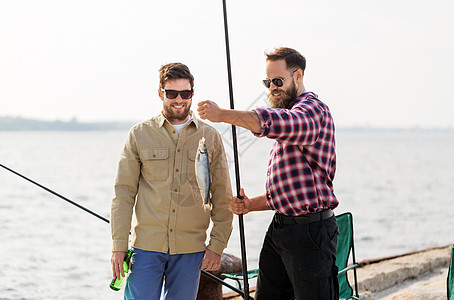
{"x":303,"y":159}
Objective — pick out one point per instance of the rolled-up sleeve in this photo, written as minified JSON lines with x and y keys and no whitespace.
{"x":299,"y":125}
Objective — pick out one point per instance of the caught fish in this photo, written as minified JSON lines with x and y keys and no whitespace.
{"x":202,"y":171}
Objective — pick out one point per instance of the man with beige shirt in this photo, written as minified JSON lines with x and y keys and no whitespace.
{"x":156,"y":180}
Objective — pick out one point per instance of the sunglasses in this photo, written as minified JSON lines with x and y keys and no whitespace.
{"x":278,"y":81}
{"x":172,"y":94}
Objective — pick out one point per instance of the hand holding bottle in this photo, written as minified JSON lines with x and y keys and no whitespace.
{"x":121,"y":263}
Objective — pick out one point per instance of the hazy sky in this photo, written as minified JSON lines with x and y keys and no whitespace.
{"x":379,"y":63}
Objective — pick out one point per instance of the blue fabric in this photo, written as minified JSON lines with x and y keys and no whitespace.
{"x":180,"y":274}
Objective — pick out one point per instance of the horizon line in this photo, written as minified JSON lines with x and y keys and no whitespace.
{"x":75,"y":120}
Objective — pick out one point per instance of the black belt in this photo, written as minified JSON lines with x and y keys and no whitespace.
{"x":303,"y":219}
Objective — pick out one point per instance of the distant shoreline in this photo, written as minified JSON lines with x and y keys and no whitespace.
{"x":23,"y":124}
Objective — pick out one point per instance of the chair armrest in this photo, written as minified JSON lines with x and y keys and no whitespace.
{"x":250,"y":274}
{"x":348,"y":268}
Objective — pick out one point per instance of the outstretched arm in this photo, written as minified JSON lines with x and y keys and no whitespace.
{"x":247,"y":119}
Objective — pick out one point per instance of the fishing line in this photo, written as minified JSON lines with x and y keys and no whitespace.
{"x":235,"y":155}
{"x":107,"y":221}
{"x":56,"y":194}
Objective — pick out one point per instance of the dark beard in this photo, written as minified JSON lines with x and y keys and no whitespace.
{"x":286,"y":97}
{"x":172,"y":117}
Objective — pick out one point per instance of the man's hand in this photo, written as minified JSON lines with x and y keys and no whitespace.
{"x":117,"y":264}
{"x":211,"y":261}
{"x":240,"y":206}
{"x":247,"y":119}
{"x":210,"y":110}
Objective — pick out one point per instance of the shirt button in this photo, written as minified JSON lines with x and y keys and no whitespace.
{"x":177,"y":170}
{"x":178,"y":150}
{"x":154,"y":155}
{"x":173,"y":210}
{"x":174,"y":131}
{"x":176,"y":190}
{"x":171,"y":230}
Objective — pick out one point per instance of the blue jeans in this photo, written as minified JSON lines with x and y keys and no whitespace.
{"x":180,"y":274}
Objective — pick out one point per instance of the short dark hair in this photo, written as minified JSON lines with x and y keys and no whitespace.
{"x":292,"y":58}
{"x":174,"y":71}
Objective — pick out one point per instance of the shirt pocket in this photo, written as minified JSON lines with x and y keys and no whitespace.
{"x":155,"y":163}
{"x":190,"y":169}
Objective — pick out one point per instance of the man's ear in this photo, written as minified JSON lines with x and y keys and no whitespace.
{"x":299,"y":75}
{"x":161,"y":95}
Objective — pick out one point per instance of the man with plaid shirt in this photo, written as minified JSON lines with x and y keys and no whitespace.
{"x":298,"y":257}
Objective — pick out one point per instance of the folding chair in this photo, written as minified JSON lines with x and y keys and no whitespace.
{"x":345,"y":243}
{"x":450,"y":280}
{"x":238,"y":277}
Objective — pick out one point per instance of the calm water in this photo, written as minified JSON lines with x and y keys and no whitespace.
{"x":398,"y":185}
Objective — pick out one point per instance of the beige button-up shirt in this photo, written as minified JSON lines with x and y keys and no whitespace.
{"x":156,"y":185}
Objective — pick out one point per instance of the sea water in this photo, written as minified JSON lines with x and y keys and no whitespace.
{"x":398,"y":184}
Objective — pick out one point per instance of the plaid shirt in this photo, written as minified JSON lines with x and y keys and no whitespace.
{"x":302,"y":160}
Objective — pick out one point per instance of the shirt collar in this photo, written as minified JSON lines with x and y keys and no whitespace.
{"x":195,"y":120}
{"x":301,"y":97}
{"x":161,"y":119}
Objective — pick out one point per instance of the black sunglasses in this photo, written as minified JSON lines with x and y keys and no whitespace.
{"x":278,"y":81}
{"x":172,"y":94}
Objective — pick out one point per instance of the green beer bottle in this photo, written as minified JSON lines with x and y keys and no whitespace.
{"x":117,"y":283}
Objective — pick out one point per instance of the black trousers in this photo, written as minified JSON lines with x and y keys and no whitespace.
{"x":298,"y":261}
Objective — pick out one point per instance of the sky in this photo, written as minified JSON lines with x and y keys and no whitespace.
{"x":386,"y":63}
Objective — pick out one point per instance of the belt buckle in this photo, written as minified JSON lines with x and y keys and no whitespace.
{"x":279,"y":218}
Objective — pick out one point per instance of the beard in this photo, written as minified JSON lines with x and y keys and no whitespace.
{"x":286,"y":97}
{"x":178,"y":116}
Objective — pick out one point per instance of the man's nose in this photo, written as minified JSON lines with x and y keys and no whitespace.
{"x":178,"y":98}
{"x":272,"y":87}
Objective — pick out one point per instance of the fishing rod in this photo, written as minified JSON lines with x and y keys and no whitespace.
{"x":56,"y":194}
{"x":235,"y":155}
{"x":107,"y":221}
